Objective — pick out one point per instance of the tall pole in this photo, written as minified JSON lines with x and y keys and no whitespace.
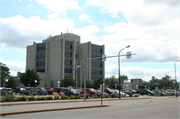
{"x":119,"y":69}
{"x":85,"y":80}
{"x":175,"y":77}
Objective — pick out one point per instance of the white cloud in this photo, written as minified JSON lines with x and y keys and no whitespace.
{"x":19,"y":31}
{"x":14,"y":66}
{"x":60,"y":6}
{"x":85,"y":17}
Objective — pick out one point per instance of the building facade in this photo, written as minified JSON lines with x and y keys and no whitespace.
{"x":56,"y":57}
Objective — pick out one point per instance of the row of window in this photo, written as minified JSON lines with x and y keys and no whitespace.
{"x":68,"y":54}
{"x":68,"y":70}
{"x":96,"y":50}
{"x":41,"y":48}
{"x":67,"y":62}
{"x":96,"y":64}
{"x":68,"y":46}
{"x":95,"y":56}
{"x":41,"y":63}
{"x":41,"y":56}
{"x":41,"y":70}
{"x":96,"y":72}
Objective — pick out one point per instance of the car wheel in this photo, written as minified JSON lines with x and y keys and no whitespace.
{"x":149,"y":94}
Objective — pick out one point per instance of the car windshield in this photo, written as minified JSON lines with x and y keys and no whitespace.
{"x":110,"y":90}
{"x":4,"y":89}
{"x":148,"y":90}
{"x":92,"y":89}
{"x":28,"y":88}
{"x":117,"y":91}
{"x":73,"y":90}
{"x":48,"y":88}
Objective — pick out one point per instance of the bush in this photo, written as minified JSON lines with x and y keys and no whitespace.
{"x":106,"y":96}
{"x":130,"y":94}
{"x":43,"y":98}
{"x":102,"y":96}
{"x":24,"y":98}
{"x":31,"y":98}
{"x":9,"y":98}
{"x":135,"y":95}
{"x":56,"y":97}
{"x":156,"y":94}
{"x":87,"y":95}
{"x":64,"y":97}
{"x":49,"y":98}
{"x":95,"y":96}
{"x":18,"y":99}
{"x":167,"y":95}
{"x":74,"y":97}
{"x":113,"y":96}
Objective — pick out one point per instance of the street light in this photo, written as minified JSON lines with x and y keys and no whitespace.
{"x":175,"y":76}
{"x":58,"y":83}
{"x":35,"y":82}
{"x":119,"y":68}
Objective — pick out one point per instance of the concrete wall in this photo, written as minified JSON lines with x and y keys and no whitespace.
{"x":31,"y":56}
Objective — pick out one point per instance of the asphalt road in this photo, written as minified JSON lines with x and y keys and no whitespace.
{"x":155,"y":108}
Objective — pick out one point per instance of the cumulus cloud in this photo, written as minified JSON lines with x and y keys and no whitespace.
{"x":60,"y":6}
{"x":19,"y":31}
{"x":85,"y":17}
{"x":14,"y":66}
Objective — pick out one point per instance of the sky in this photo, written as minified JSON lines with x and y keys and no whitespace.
{"x":150,"y":27}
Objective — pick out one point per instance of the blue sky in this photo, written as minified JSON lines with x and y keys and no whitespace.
{"x":150,"y":28}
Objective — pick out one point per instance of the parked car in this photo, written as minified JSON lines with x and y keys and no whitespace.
{"x":145,"y":92}
{"x":50,"y":90}
{"x":42,"y":91}
{"x":30,"y":90}
{"x":131,"y":91}
{"x":58,"y":89}
{"x":116,"y":92}
{"x":104,"y":93}
{"x":5,"y":91}
{"x":92,"y":92}
{"x":69,"y":92}
{"x":108,"y":90}
{"x":157,"y":92}
{"x":79,"y":90}
{"x":16,"y":90}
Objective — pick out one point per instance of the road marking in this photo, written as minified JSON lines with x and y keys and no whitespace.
{"x":142,"y":109}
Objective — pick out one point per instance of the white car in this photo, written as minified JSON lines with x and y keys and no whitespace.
{"x":122,"y":94}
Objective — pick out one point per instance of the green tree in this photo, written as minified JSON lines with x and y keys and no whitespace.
{"x":68,"y":82}
{"x":11,"y":82}
{"x":97,"y":82}
{"x":4,"y":73}
{"x":28,"y":78}
{"x":88,"y":84}
{"x":123,"y":78}
{"x":111,"y":81}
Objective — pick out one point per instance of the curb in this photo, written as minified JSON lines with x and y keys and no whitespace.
{"x":66,"y":101}
{"x":49,"y":109}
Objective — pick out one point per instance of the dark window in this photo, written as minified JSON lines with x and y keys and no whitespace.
{"x":41,"y":48}
{"x":76,"y":56}
{"x":41,"y":63}
{"x":96,"y":64}
{"x":96,"y":72}
{"x":41,"y":70}
{"x":96,"y":50}
{"x":40,"y":56}
{"x":67,"y":46}
{"x":67,"y":62}
{"x":68,"y":70}
{"x":68,"y":54}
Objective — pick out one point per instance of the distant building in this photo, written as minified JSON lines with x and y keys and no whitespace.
{"x":55,"y":58}
{"x":134,"y":84}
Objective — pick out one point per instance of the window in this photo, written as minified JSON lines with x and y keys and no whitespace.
{"x":68,"y":70}
{"x":41,"y":48}
{"x":68,"y":54}
{"x":67,"y":62}
{"x":40,"y":56}
{"x":76,"y":56}
{"x":96,"y":50}
{"x":96,"y":64}
{"x":40,"y":63}
{"x":68,"y":46}
{"x":96,"y":72}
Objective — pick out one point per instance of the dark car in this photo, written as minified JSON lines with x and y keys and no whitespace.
{"x":5,"y":91}
{"x":42,"y":91}
{"x":16,"y":90}
{"x":30,"y":90}
{"x":69,"y":92}
{"x":109,"y":91}
{"x":157,"y":92}
{"x":131,"y":91}
{"x":145,"y":92}
{"x":58,"y":89}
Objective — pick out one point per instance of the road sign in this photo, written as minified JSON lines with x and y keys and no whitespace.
{"x":74,"y":68}
{"x":128,"y":55}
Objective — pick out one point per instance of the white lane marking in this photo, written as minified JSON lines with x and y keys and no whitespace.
{"x":142,"y":109}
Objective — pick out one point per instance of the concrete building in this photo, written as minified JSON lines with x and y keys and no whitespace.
{"x":55,"y":58}
{"x":134,"y":84}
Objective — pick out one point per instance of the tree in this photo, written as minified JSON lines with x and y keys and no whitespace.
{"x":28,"y":78}
{"x":68,"y":82}
{"x":123,"y":78}
{"x":97,"y":83}
{"x":4,"y":73}
{"x":88,"y":84}
{"x":11,"y":82}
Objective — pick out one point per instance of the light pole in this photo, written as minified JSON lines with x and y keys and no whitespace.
{"x":119,"y":69}
{"x":175,"y":76}
{"x":35,"y":82}
{"x":58,"y":83}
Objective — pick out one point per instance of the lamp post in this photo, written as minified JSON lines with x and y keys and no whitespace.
{"x":58,"y":83}
{"x":35,"y":82}
{"x":119,"y":69}
{"x":175,"y":76}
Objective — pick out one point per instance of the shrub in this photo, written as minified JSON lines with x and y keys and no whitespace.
{"x":9,"y":98}
{"x":74,"y":97}
{"x":135,"y":95}
{"x":31,"y":98}
{"x":156,"y":94}
{"x":64,"y":97}
{"x":18,"y":99}
{"x":43,"y":98}
{"x":130,"y":94}
{"x":113,"y":96}
{"x":49,"y":98}
{"x":106,"y":96}
{"x":167,"y":95}
{"x":95,"y":96}
{"x":87,"y":95}
{"x":102,"y":96}
{"x":56,"y":97}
